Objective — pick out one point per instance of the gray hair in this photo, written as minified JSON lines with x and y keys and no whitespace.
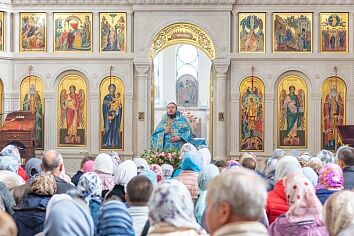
{"x":246,"y":200}
{"x":51,"y":160}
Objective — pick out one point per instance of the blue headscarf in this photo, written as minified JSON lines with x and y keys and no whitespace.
{"x":8,"y":163}
{"x":190,"y":162}
{"x":151,"y":176}
{"x":33,"y":168}
{"x":114,"y":219}
{"x":207,"y":174}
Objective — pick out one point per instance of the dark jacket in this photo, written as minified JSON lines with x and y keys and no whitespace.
{"x":75,"y":179}
{"x":63,"y":186}
{"x":324,"y":194}
{"x":30,"y":216}
{"x":117,"y":191}
{"x":348,"y":174}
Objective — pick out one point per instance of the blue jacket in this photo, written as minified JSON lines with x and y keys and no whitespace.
{"x":324,"y":194}
{"x":348,"y":174}
{"x":30,"y":216}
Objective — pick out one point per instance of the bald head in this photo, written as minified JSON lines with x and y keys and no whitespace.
{"x":52,"y":161}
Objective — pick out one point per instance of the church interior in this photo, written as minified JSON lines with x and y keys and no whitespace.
{"x":249,"y":75}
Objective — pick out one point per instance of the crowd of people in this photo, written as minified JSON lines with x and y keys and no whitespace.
{"x":292,"y":193}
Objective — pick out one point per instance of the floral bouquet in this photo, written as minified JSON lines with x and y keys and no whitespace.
{"x":171,"y":157}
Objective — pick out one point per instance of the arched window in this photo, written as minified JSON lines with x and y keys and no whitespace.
{"x":187,"y":61}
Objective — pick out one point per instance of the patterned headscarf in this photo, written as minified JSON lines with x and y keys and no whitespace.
{"x":116,"y":160}
{"x":158,"y":171}
{"x":286,"y":166}
{"x":205,"y":155}
{"x":172,"y":203}
{"x":33,"y":168}
{"x":205,"y":176}
{"x":325,"y":156}
{"x":330,"y":177}
{"x":302,"y":200}
{"x":304,"y":159}
{"x":90,"y":187}
{"x":43,"y":185}
{"x":114,"y":219}
{"x":141,"y":164}
{"x":339,"y":212}
{"x":9,"y":163}
{"x":188,"y":148}
{"x":11,"y":150}
{"x":167,"y":170}
{"x":124,"y":173}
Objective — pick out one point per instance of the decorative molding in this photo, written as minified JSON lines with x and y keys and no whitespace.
{"x":294,"y":2}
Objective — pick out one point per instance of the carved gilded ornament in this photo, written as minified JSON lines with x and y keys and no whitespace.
{"x":182,"y":33}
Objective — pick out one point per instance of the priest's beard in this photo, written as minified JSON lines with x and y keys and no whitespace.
{"x":172,"y":116}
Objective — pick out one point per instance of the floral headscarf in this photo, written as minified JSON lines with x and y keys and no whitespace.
{"x":325,"y":156}
{"x":90,"y":187}
{"x":8,"y":163}
{"x":141,"y":164}
{"x":11,"y":150}
{"x":172,"y":203}
{"x":157,"y":170}
{"x":302,"y":200}
{"x":167,"y":170}
{"x":188,"y":148}
{"x":330,"y":177}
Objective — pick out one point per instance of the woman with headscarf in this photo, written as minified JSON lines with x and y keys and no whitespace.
{"x":69,"y":217}
{"x":304,"y":159}
{"x":167,"y":171}
{"x":205,"y":176}
{"x":189,"y":175}
{"x":190,"y":149}
{"x":269,"y":172}
{"x":339,"y":213}
{"x":103,"y":167}
{"x":115,"y":159}
{"x":30,"y":215}
{"x":8,"y":173}
{"x":90,"y":190}
{"x":12,"y":150}
{"x":114,"y":219}
{"x":7,"y":198}
{"x":158,"y":171}
{"x":315,"y":163}
{"x":325,"y":156}
{"x":141,"y":164}
{"x":205,"y":156}
{"x":311,"y":175}
{"x":172,"y":211}
{"x":276,"y":202}
{"x":124,"y":173}
{"x":304,"y":216}
{"x":330,"y":180}
{"x":88,"y":166}
{"x":33,"y":168}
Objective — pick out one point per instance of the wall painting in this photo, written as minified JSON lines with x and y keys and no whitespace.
{"x":113,"y":31}
{"x":334,"y":32}
{"x":2,"y":31}
{"x":187,"y":91}
{"x":33,"y":32}
{"x":251,"y":32}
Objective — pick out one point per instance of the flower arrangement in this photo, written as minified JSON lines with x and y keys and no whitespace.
{"x":171,"y":157}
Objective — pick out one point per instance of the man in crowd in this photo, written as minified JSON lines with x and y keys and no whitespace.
{"x":346,"y":162}
{"x":234,"y":207}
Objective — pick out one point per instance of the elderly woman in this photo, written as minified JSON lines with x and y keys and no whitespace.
{"x":12,"y":150}
{"x":124,"y":173}
{"x":103,"y":167}
{"x":330,"y":180}
{"x":339,"y":213}
{"x":315,"y":163}
{"x":326,"y":156}
{"x":33,"y":168}
{"x":205,"y":156}
{"x":172,"y":211}
{"x":269,"y":172}
{"x":304,"y":214}
{"x":141,"y":164}
{"x":276,"y":202}
{"x":90,"y":190}
{"x":8,"y":173}
{"x":207,"y":174}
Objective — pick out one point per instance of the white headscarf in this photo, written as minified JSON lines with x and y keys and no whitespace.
{"x":55,"y":198}
{"x":287,"y":165}
{"x":325,"y":156}
{"x":11,"y":150}
{"x":103,"y":163}
{"x":205,"y":155}
{"x":124,"y":173}
{"x":141,"y":164}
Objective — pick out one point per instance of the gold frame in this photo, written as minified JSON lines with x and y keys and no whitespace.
{"x":290,"y":14}
{"x":103,"y":86}
{"x":262,"y":16}
{"x":324,"y":92}
{"x":2,"y":22}
{"x":280,"y":85}
{"x":72,"y":77}
{"x":81,"y":16}
{"x":119,"y":14}
{"x":243,"y":88}
{"x":24,"y":89}
{"x":323,"y":16}
{"x":1,"y":98}
{"x":179,"y":33}
{"x":41,"y":15}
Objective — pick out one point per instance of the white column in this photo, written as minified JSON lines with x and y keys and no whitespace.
{"x":234,"y":124}
{"x":96,"y":32}
{"x":316,"y":33}
{"x":93,"y":132}
{"x":129,"y":25}
{"x":350,"y":33}
{"x":15,"y":28}
{"x":142,"y":135}
{"x":50,"y":32}
{"x":315,"y":132}
{"x":8,"y":32}
{"x":128,"y":125}
{"x":50,"y":122}
{"x":270,"y":143}
{"x":269,"y":32}
{"x":219,"y":96}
